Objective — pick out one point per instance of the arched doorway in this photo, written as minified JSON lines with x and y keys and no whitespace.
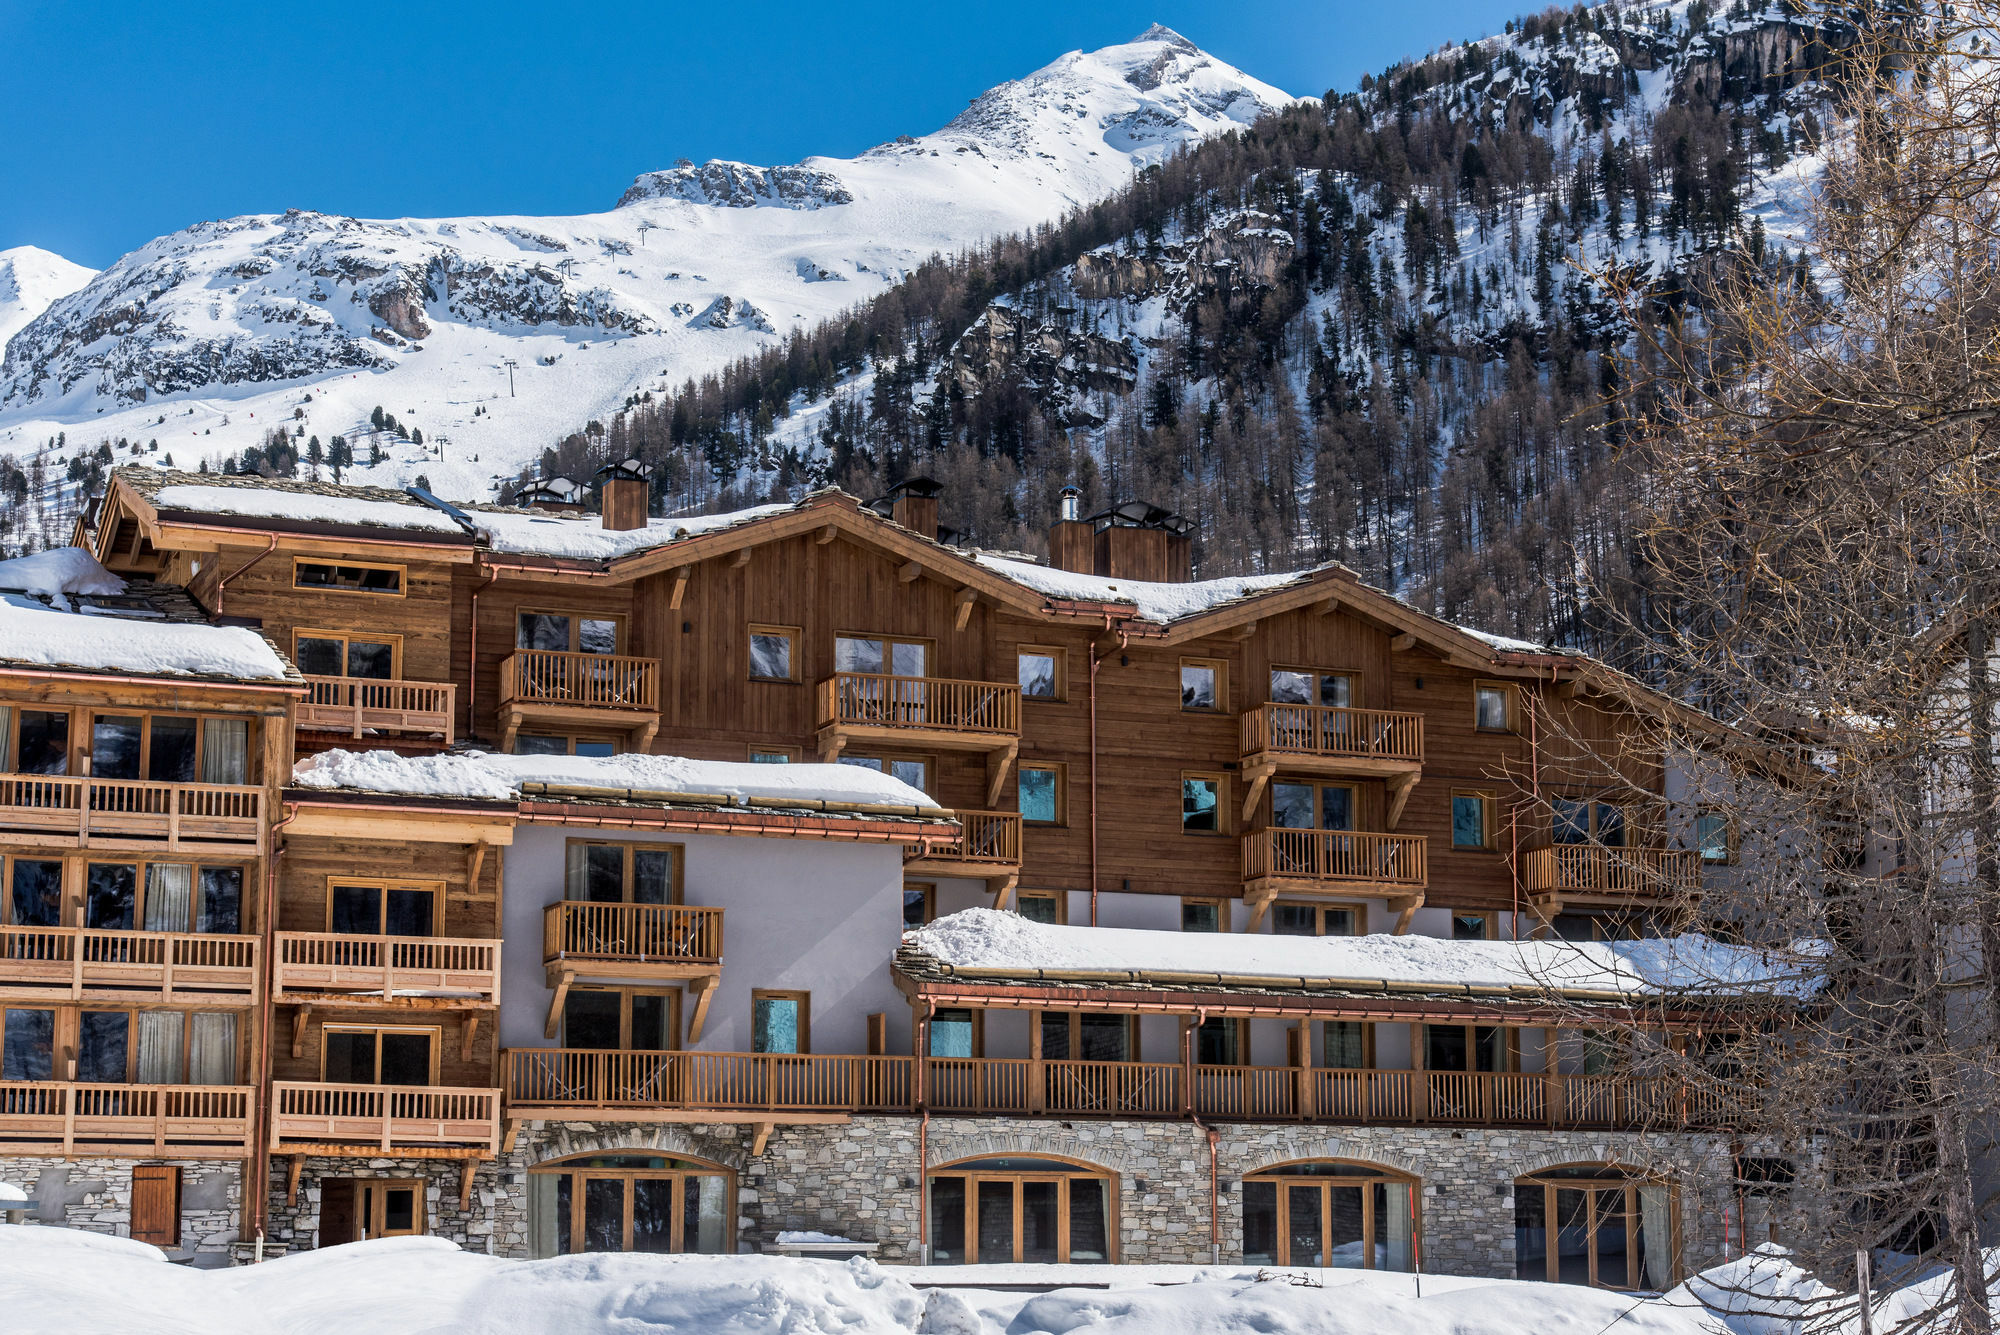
{"x":631,"y":1203}
{"x":1599,"y":1224}
{"x":1017,"y":1209}
{"x":1332,"y":1213}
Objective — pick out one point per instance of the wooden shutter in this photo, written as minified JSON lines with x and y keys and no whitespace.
{"x":156,"y":1204}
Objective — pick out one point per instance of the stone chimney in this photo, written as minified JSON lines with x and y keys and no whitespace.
{"x":913,"y":503}
{"x":626,"y":495}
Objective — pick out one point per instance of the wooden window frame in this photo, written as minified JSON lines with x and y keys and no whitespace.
{"x":1731,"y":830}
{"x":795,"y":634}
{"x":378,"y":1206}
{"x":570,"y":739}
{"x":1632,"y":1216}
{"x":1591,"y":834}
{"x":928,"y":645}
{"x":1316,"y":1058}
{"x":790,"y":753}
{"x":676,"y":893}
{"x":1061,"y":771}
{"x":677,"y":1238}
{"x":84,"y":744}
{"x":1352,"y":675}
{"x":1221,"y":905}
{"x":1510,"y":1045}
{"x":978,"y":1014}
{"x":625,"y":992}
{"x":394,"y":641}
{"x":435,"y":888}
{"x":1491,"y":917}
{"x":66,"y":900}
{"x":576,"y":618}
{"x":402,"y":589}
{"x":1060,"y":898}
{"x":73,"y":751}
{"x":885,"y":760}
{"x":1490,"y":807}
{"x":929,"y":891}
{"x":802,"y":996}
{"x":1320,"y":908}
{"x":1365,"y":1177}
{"x":1224,"y":827}
{"x":1512,"y":693}
{"x":436,"y":1033}
{"x":1190,"y":1035}
{"x":1133,"y":1031}
{"x":1319,"y":787}
{"x":67,"y":1035}
{"x":75,"y":883}
{"x":1061,"y":657}
{"x":1220,"y":666}
{"x":974,"y":1176}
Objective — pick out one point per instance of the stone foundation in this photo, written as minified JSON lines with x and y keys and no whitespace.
{"x":96,"y":1195}
{"x":496,"y":1223}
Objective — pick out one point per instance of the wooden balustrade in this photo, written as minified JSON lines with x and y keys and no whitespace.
{"x":576,"y":931}
{"x":986,"y":839}
{"x":587,"y":1078}
{"x":384,"y":1116}
{"x":1336,"y":857}
{"x":920,"y":704}
{"x":69,"y":1117}
{"x":573,"y":680}
{"x":388,"y":965}
{"x":355,"y":705}
{"x":1327,"y":730}
{"x":1581,"y":870}
{"x":99,"y":810}
{"x":79,"y":962}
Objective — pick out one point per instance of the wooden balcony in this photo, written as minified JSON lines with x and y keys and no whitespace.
{"x":321,"y":966}
{"x":632,"y":941}
{"x":640,"y":1086}
{"x":988,"y":848}
{"x":320,"y":1118}
{"x":1333,"y":862}
{"x":92,"y":964}
{"x":933,"y":712}
{"x":1328,"y":742}
{"x":1591,"y":874}
{"x":70,"y":1118}
{"x":360,"y":705}
{"x":545,"y":687}
{"x":64,"y":811}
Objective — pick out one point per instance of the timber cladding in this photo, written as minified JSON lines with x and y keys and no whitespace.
{"x":418,"y":617}
{"x":312,"y":864}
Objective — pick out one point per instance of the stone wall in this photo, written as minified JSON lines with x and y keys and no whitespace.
{"x":496,"y":1223}
{"x":96,"y":1195}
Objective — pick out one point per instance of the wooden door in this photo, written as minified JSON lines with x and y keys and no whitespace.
{"x":156,"y":1204}
{"x":337,"y":1221}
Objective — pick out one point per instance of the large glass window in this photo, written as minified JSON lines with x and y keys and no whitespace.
{"x":631,"y":1203}
{"x":347,"y":577}
{"x":43,"y":746}
{"x":916,"y":773}
{"x":880,"y":655}
{"x":1595,"y":1224}
{"x":1296,"y":686}
{"x":626,"y":1019}
{"x":27,"y":1044}
{"x":379,"y":1056}
{"x":34,"y":893}
{"x":954,"y":1033}
{"x":1471,"y":820}
{"x":383,"y":908}
{"x":1312,"y":806}
{"x":1020,"y":1210}
{"x":1330,"y":1214}
{"x":331,"y":653}
{"x":615,"y":873}
{"x":774,"y":653}
{"x":1573,"y":821}
{"x":565,"y":632}
{"x":169,"y":748}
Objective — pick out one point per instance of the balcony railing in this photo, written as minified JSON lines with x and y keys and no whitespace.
{"x":984,"y":709}
{"x":355,"y":705}
{"x":70,"y":1117}
{"x":384,"y":1116}
{"x":585,"y":681}
{"x":554,"y":1079}
{"x":387,"y":965}
{"x":985,"y":839}
{"x":1593,"y":869}
{"x":1326,"y":731}
{"x":576,"y":931}
{"x":1336,"y":857}
{"x":75,"y":962}
{"x":136,"y":809}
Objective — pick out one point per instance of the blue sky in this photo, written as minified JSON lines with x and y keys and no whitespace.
{"x":124,"y":121}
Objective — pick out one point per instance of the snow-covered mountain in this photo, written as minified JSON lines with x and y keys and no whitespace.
{"x":494,"y":335}
{"x":30,"y":279}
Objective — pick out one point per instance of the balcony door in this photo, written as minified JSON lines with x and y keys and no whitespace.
{"x":1329,"y":1215}
{"x":1300,"y":686}
{"x":1310,"y":808}
{"x":566,"y":632}
{"x":880,"y":701}
{"x":170,"y":748}
{"x":1020,"y":1211}
{"x":1575,"y":822}
{"x":332,"y":653}
{"x":366,"y":1056}
{"x":631,"y":1203}
{"x":382,"y":908}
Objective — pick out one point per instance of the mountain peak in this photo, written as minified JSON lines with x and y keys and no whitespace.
{"x":1160,"y":32}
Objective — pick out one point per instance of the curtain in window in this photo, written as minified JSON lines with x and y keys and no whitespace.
{"x":6,"y":733}
{"x":575,"y":882}
{"x":212,"y":1048}
{"x":169,"y":897}
{"x":159,"y":1047}
{"x":1656,"y":1223}
{"x":225,"y":750}
{"x":1396,"y":1247}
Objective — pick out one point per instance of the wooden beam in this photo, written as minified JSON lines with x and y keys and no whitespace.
{"x":826,"y":535}
{"x":998,"y":763}
{"x":1328,"y":607}
{"x":968,"y":598}
{"x":761,"y":1137}
{"x":1568,"y":690}
{"x":556,"y":1004}
{"x":1246,"y":631}
{"x":475,"y":859}
{"x":742,"y":558}
{"x":909,"y":572}
{"x":1259,"y":777}
{"x":1400,"y":788}
{"x":509,"y":1134}
{"x":704,"y":990}
{"x":296,"y":1166}
{"x":1258,"y":896}
{"x":299,"y":1018}
{"x":468,"y":1029}
{"x":1402,"y":644}
{"x":1403,"y":918}
{"x":680,"y":587}
{"x":465,"y":1185}
{"x":1003,"y":895}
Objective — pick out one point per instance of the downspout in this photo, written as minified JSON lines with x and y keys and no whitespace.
{"x":924,"y":1135}
{"x":1194,"y":1116}
{"x":1096,"y":660}
{"x":222,"y":582}
{"x":260,"y":1124}
{"x":472,"y":657}
{"x":1534,"y":792}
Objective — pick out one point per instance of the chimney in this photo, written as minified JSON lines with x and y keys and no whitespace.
{"x":1069,"y":536}
{"x":556,"y":495}
{"x":1135,"y":540}
{"x":626,"y":495}
{"x":913,"y":503}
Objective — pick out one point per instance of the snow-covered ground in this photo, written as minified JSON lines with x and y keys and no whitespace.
{"x":86,"y":1284}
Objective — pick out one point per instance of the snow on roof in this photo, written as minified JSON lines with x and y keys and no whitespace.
{"x":30,"y":633}
{"x":987,"y":940}
{"x":316,"y":506}
{"x":493,"y":777}
{"x":1508,"y":644}
{"x":1155,"y":601}
{"x":584,"y":537}
{"x":58,"y":571}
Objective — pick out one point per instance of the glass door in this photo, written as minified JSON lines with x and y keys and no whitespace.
{"x":602,"y":1206}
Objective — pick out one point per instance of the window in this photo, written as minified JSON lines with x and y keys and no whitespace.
{"x":774,"y":653}
{"x":1089,"y":1036}
{"x":1473,"y":927}
{"x":1472,"y":824}
{"x":1041,"y":673}
{"x":1041,"y":792}
{"x":1470,"y":1047}
{"x":919,"y":904}
{"x":1221,"y":1041}
{"x":347,"y":577}
{"x":1596,"y":1224}
{"x":1346,"y":1045}
{"x":567,"y":632}
{"x":1203,"y":684}
{"x":1300,"y":686}
{"x":1492,"y":707}
{"x":1313,"y":806}
{"x":1201,"y":804}
{"x":34,"y":893}
{"x":1021,"y":1210}
{"x":624,"y":1019}
{"x":780,"y":1021}
{"x":1203,"y":915}
{"x":631,"y":1203}
{"x":1040,"y":905}
{"x":548,"y":744}
{"x":27,"y":1044}
{"x":880,"y":655}
{"x":42,"y":741}
{"x":158,"y":896}
{"x":1715,"y":836}
{"x":1576,"y":821}
{"x":1331,"y":1214}
{"x":356,"y":1208}
{"x":170,"y":748}
{"x":603,"y":872}
{"x":362,"y":906}
{"x":916,"y":773}
{"x":333,"y":653}
{"x":153,"y":1047}
{"x":956,"y":1032}
{"x":774,"y":755}
{"x":386,"y":1056}
{"x":1319,"y":919}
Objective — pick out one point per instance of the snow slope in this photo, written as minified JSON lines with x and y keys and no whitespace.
{"x":204,"y":339}
{"x":30,"y":279}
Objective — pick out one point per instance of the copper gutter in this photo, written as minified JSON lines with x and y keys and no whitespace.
{"x":308,"y":532}
{"x":256,"y":1205}
{"x":277,"y":685}
{"x":222,"y":584}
